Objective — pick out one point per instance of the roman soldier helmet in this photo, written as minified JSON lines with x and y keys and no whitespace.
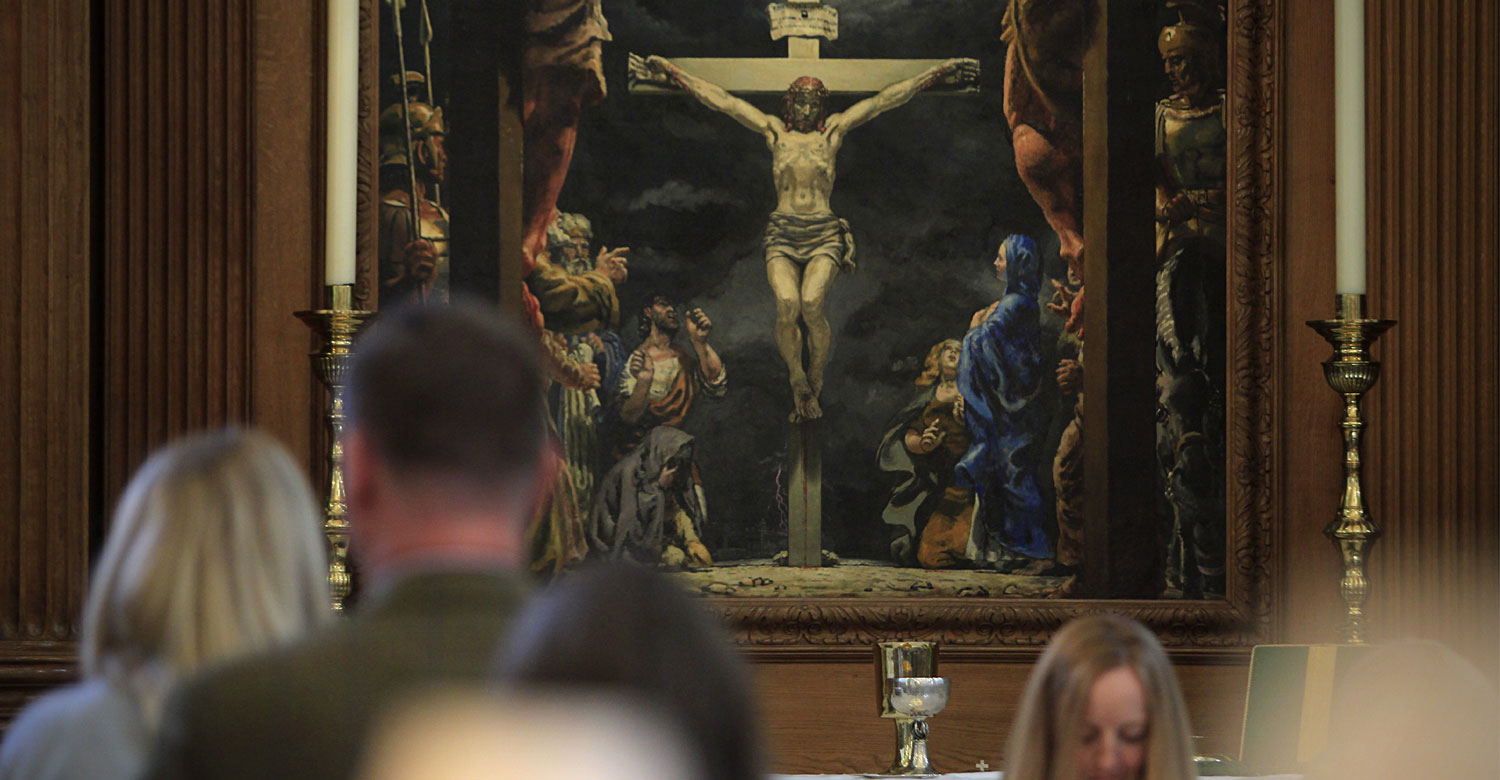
{"x":1188,"y":39}
{"x":414,"y":85}
{"x":1193,"y":37}
{"x":426,"y":121}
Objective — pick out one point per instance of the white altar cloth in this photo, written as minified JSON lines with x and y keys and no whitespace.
{"x":998,"y":776}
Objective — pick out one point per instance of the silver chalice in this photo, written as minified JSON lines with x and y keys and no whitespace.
{"x":919,"y":698}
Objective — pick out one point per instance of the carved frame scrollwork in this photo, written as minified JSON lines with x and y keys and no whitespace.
{"x":366,"y":191}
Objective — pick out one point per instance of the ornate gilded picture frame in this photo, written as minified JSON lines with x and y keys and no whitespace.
{"x":682,"y":228}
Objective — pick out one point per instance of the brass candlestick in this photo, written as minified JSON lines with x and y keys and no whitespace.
{"x":1351,"y":372}
{"x":336,"y":325}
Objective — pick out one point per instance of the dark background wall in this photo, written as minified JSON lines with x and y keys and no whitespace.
{"x":160,"y":201}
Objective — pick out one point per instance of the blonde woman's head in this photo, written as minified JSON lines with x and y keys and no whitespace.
{"x":941,"y":363}
{"x":1102,"y":703}
{"x":215,"y":549}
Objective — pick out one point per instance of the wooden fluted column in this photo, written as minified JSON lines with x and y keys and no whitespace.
{"x":1433,"y":244}
{"x":45,"y":331}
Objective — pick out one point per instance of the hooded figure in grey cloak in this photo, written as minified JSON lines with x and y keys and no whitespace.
{"x":650,"y":507}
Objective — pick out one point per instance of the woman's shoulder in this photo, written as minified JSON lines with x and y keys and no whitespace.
{"x":69,"y":703}
{"x":91,"y":720}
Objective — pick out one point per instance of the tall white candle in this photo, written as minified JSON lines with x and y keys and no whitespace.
{"x":1349,"y":142}
{"x":343,"y":140}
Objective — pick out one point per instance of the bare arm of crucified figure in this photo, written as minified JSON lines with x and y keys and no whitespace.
{"x":955,"y":71}
{"x":657,"y":70}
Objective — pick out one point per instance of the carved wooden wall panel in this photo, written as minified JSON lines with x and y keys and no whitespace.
{"x":285,"y":117}
{"x":44,"y":340}
{"x":200,"y":146}
{"x":208,"y":171}
{"x":1434,"y":478}
{"x":176,"y":251}
{"x":1308,"y":478}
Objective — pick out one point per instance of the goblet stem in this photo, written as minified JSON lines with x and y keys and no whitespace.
{"x":920,"y":763}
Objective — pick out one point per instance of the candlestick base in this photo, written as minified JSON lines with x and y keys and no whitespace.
{"x":337,"y":326}
{"x":1351,"y":372}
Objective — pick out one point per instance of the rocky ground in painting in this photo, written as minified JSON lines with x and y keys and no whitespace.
{"x":862,"y":579}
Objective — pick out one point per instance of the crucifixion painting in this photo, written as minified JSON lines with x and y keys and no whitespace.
{"x":806,"y":244}
{"x":912,"y":429}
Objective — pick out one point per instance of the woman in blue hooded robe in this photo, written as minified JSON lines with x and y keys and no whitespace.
{"x":999,"y":374}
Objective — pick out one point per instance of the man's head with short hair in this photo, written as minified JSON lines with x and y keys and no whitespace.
{"x":446,"y":418}
{"x":662,"y":315}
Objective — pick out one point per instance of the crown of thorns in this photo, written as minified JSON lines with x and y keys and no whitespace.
{"x":809,"y":85}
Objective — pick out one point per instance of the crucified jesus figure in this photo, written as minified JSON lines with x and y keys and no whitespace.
{"x":806,"y":246}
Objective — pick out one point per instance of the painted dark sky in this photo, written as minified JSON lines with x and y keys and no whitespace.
{"x":930,"y":190}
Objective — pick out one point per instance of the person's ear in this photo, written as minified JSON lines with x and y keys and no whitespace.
{"x":423,"y":152}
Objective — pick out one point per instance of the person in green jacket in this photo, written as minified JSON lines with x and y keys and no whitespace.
{"x":446,"y":452}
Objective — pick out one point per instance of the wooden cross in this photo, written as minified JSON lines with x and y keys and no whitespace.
{"x":804,"y":25}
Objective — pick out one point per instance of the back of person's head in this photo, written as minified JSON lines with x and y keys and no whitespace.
{"x":1052,"y":729}
{"x":556,"y":734}
{"x":626,"y":630}
{"x":1412,"y":708}
{"x":451,"y":396}
{"x":216,"y":548}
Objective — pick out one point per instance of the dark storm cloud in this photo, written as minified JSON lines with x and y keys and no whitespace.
{"x":901,"y":28}
{"x":679,"y":29}
{"x":681,"y":196}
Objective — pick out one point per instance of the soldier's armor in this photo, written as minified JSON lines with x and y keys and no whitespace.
{"x":436,"y":230}
{"x":425,"y":122}
{"x":1191,"y":144}
{"x":433,"y":228}
{"x":1190,"y":346}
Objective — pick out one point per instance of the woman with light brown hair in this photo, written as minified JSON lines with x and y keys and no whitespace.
{"x":930,"y":519}
{"x":1101,"y":704}
{"x":215,"y":550}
